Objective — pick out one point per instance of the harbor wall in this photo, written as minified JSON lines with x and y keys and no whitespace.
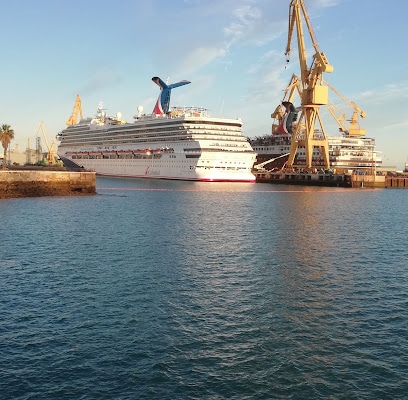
{"x":396,"y":182}
{"x":305,"y":179}
{"x":339,"y":180}
{"x":368,"y":181}
{"x":35,"y":183}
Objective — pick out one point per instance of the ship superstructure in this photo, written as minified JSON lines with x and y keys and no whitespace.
{"x":183,"y":143}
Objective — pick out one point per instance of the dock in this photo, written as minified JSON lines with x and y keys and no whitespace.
{"x":37,"y":183}
{"x":295,"y":178}
{"x":331,"y":180}
{"x":396,"y":182}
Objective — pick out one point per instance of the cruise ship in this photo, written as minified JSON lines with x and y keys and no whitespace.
{"x":183,"y":143}
{"x":349,"y":151}
{"x":346,"y":153}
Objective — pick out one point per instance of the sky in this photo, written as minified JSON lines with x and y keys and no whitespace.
{"x":232,"y":51}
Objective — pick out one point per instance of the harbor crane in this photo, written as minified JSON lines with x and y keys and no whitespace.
{"x":314,"y":93}
{"x":51,"y":156}
{"x":349,"y":127}
{"x":76,"y":112}
{"x":354,"y":125}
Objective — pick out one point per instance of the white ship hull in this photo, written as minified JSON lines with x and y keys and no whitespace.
{"x":211,"y":167}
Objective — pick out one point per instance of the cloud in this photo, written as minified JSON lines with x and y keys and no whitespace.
{"x":397,"y":126}
{"x":255,"y":25}
{"x":245,"y":18}
{"x":102,"y":78}
{"x":235,"y":25}
{"x":326,"y":3}
{"x":201,"y":56}
{"x":385,"y":94}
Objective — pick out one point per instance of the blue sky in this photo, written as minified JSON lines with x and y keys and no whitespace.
{"x":232,"y":51}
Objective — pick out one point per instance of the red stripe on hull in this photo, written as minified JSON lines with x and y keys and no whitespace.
{"x":178,"y":179}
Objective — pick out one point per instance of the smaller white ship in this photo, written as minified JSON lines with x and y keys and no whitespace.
{"x":346,"y":153}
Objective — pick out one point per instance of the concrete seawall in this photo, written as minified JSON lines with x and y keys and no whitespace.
{"x":397,"y":182}
{"x":36,"y":183}
{"x":339,"y":180}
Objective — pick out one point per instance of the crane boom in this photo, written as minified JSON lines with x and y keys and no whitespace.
{"x":350,"y":103}
{"x":296,"y":9}
{"x":354,"y":127}
{"x":51,"y":154}
{"x":76,"y":112}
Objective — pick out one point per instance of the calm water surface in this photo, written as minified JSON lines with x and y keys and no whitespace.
{"x":182,"y":290}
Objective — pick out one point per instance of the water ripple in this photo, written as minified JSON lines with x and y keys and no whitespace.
{"x":189,"y":292}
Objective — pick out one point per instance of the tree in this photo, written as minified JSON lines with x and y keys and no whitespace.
{"x":6,"y":136}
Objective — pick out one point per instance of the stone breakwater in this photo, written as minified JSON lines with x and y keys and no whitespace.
{"x":36,"y":183}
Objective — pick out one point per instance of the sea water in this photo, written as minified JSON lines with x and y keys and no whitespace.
{"x":183,"y":290}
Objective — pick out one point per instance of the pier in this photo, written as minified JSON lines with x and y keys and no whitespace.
{"x":396,"y":182}
{"x":37,"y":183}
{"x":331,"y":180}
{"x":307,"y":179}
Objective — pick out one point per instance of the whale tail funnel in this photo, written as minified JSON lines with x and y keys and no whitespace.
{"x":163,"y":102}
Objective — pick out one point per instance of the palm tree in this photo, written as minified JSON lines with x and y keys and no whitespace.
{"x":6,"y":136}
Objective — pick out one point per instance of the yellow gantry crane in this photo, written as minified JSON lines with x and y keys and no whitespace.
{"x":51,"y":156}
{"x":349,"y":127}
{"x":353,"y":128}
{"x":314,"y":93}
{"x":76,"y":112}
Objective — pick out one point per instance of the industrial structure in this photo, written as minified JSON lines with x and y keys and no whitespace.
{"x":51,"y":155}
{"x":302,"y":127}
{"x":298,"y":149}
{"x":353,"y":129}
{"x":76,"y":112}
{"x":311,"y":87}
